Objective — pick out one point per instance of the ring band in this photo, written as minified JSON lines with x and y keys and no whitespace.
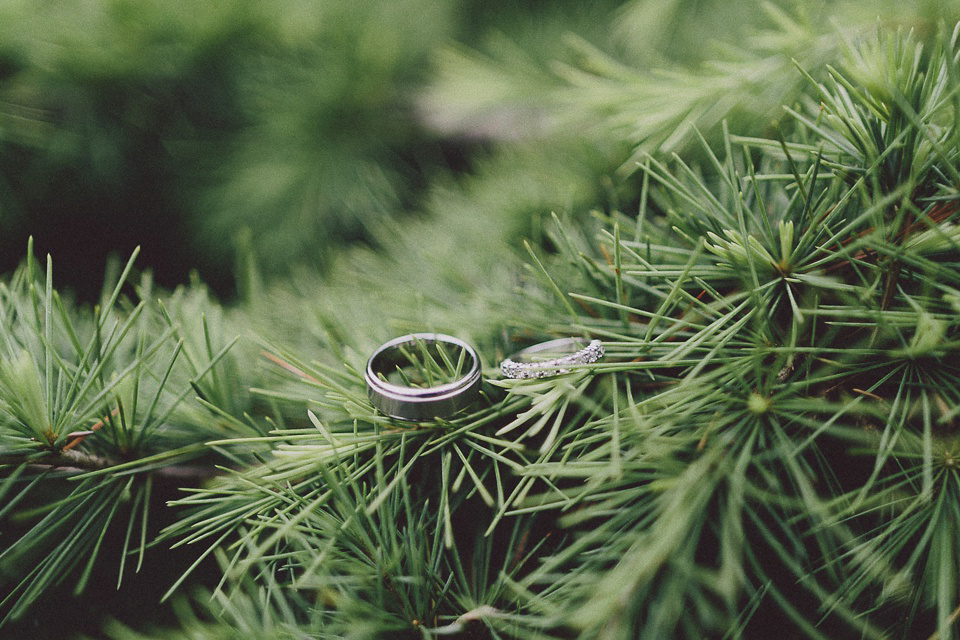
{"x":415,"y":403}
{"x":554,"y":366}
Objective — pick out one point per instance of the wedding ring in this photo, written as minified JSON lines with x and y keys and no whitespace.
{"x":416,"y":403}
{"x":525,"y":364}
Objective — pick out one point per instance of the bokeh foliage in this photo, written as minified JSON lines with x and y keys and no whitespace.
{"x":177,"y":126}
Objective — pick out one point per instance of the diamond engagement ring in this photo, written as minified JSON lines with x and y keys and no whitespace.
{"x":414,"y":397}
{"x":535,"y":361}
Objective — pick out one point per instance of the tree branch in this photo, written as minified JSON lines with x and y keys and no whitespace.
{"x":75,"y":462}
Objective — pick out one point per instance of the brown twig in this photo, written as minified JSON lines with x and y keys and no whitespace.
{"x":79,"y":436}
{"x":75,"y":462}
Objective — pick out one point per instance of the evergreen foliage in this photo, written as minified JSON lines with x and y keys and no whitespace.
{"x":765,"y":239}
{"x":182,"y":124}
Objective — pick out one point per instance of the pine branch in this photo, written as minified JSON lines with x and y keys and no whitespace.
{"x":75,"y":462}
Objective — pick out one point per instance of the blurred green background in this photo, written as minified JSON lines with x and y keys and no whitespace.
{"x":185,"y":127}
{"x":180,"y":125}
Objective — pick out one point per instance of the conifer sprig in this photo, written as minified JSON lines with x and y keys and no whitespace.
{"x":93,"y":410}
{"x":767,"y":436}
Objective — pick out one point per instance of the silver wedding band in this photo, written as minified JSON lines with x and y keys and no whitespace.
{"x":415,"y":403}
{"x":514,"y":367}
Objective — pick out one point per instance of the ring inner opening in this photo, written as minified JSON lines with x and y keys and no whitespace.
{"x":422,"y":364}
{"x":551,"y":352}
